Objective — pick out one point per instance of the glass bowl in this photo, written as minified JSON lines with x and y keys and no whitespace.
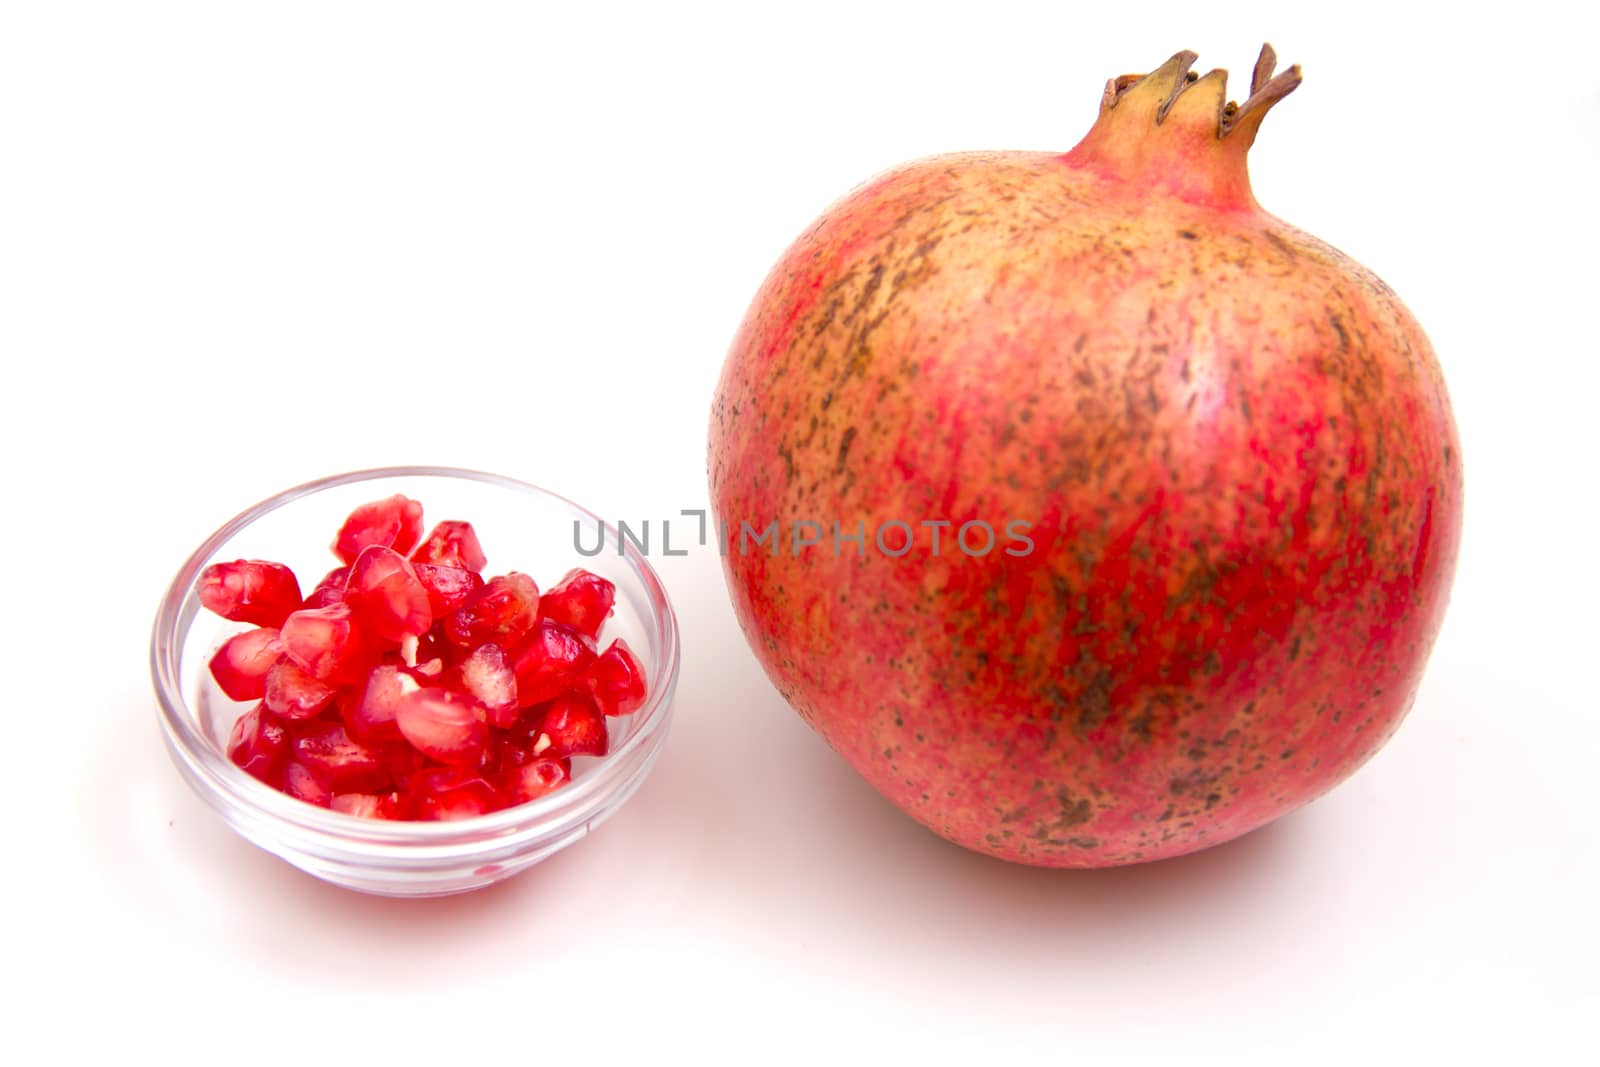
{"x":522,"y":528}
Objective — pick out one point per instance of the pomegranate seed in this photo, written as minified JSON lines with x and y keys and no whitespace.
{"x":433,"y":646}
{"x":454,"y":696}
{"x":259,"y":744}
{"x":370,"y":714}
{"x":338,"y":761}
{"x":552,"y":661}
{"x":325,"y":643}
{"x":504,"y":753}
{"x":488,"y":678}
{"x":330,"y":590}
{"x":503,"y":611}
{"x":581,"y":600}
{"x":393,"y":523}
{"x":448,"y":587}
{"x":385,"y":596}
{"x":454,"y":544}
{"x":616,"y":680}
{"x":240,"y":666}
{"x":300,"y":783}
{"x":452,"y":793}
{"x":391,"y":805}
{"x":534,"y":779}
{"x":250,"y":590}
{"x":402,"y":761}
{"x":362,"y":804}
{"x":514,"y":747}
{"x":445,"y":726}
{"x":293,"y":693}
{"x":574,"y":727}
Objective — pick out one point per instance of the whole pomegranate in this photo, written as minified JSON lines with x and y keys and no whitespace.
{"x":1094,"y":515}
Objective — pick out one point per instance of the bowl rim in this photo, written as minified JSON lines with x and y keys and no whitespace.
{"x":223,"y":779}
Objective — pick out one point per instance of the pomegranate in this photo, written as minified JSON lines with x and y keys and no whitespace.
{"x":243,"y":662}
{"x":300,"y":783}
{"x":338,"y":762}
{"x":259,"y":744}
{"x":394,"y":523}
{"x":292,"y":693}
{"x":571,"y":725}
{"x":448,"y":793}
{"x":330,"y":590}
{"x":444,"y":725}
{"x":386,"y":595}
{"x":325,"y":643}
{"x":392,"y":805}
{"x":370,"y":717}
{"x":250,"y":590}
{"x":503,"y":611}
{"x":454,"y":544}
{"x":581,"y":600}
{"x":487,"y":676}
{"x":533,"y":779}
{"x":552,"y":661}
{"x":1091,"y":513}
{"x":616,"y":680}
{"x":447,"y":587}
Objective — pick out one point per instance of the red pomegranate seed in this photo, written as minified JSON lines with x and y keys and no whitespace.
{"x":250,"y":590}
{"x":448,"y":587}
{"x":445,"y":726}
{"x":240,"y":666}
{"x":515,"y":746}
{"x":325,"y":643}
{"x":433,"y":646}
{"x":294,"y":694}
{"x":259,"y":744}
{"x":533,"y":779}
{"x":581,"y":600}
{"x":454,"y":544}
{"x":488,"y":678}
{"x":616,"y":680}
{"x":574,"y":727}
{"x":452,"y":793}
{"x":503,"y":611}
{"x":330,"y":590}
{"x":401,"y":760}
{"x":393,"y":805}
{"x":504,"y":753}
{"x":369,"y":714}
{"x":552,"y":661}
{"x":362,"y":804}
{"x":393,"y":523}
{"x":300,"y":783}
{"x":385,"y":596}
{"x":338,"y":761}
{"x":426,"y":663}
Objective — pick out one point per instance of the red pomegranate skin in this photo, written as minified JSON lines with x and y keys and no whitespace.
{"x":1233,"y":443}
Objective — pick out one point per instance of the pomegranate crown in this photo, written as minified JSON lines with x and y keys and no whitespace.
{"x":1173,"y":81}
{"x":1177,"y":130}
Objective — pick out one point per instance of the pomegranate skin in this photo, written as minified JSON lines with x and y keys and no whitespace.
{"x":1232,"y":444}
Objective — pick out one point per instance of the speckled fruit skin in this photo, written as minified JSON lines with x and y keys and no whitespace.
{"x":1233,"y":443}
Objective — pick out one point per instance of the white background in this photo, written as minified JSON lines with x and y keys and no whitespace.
{"x":246,"y":245}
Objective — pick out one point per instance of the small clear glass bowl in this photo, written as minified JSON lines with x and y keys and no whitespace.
{"x":521,"y":528}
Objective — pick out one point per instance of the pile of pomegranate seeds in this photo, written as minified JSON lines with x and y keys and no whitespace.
{"x":408,"y":686}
